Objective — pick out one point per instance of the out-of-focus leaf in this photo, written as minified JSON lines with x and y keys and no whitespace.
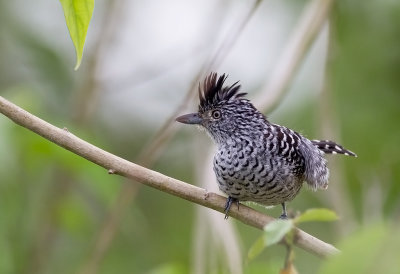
{"x":276,"y":230}
{"x":77,"y":16}
{"x":372,"y":249}
{"x":316,"y":214}
{"x":256,"y":248}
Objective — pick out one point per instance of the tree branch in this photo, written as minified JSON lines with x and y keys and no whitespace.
{"x":117,"y":165}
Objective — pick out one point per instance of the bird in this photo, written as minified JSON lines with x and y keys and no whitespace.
{"x":256,"y":160}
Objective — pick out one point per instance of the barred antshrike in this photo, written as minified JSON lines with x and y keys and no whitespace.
{"x":256,"y":160}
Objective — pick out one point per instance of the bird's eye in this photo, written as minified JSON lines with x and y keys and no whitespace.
{"x":216,"y":114}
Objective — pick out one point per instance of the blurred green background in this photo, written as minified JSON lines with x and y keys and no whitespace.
{"x":140,"y":59}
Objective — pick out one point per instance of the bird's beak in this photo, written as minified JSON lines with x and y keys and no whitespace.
{"x":191,"y":118}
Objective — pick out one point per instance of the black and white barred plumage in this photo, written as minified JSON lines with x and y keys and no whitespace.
{"x":255,"y":159}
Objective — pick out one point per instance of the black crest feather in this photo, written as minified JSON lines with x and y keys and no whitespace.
{"x":214,"y":92}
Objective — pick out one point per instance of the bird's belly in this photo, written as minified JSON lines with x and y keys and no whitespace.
{"x":252,"y":181}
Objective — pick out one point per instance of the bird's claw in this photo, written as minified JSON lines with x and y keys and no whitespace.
{"x":228,"y":205}
{"x":283,"y":216}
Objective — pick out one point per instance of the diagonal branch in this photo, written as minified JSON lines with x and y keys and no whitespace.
{"x":312,"y":20}
{"x":155,"y":146}
{"x":151,"y":151}
{"x":117,"y":165}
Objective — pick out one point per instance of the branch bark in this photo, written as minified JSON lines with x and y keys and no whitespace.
{"x":117,"y":165}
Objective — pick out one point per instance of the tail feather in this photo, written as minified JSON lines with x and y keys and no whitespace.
{"x":331,"y":147}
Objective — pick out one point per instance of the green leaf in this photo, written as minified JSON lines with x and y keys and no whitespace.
{"x":77,"y":16}
{"x":256,"y":248}
{"x":316,"y":214}
{"x":370,"y":249}
{"x":276,"y":230}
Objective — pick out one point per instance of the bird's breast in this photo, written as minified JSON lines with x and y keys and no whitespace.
{"x":249,"y":172}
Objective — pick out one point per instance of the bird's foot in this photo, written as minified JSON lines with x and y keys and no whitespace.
{"x":228,"y":205}
{"x":283,"y":216}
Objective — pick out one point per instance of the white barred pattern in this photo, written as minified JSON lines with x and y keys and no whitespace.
{"x":257,"y":160}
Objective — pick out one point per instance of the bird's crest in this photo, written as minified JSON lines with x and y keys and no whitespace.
{"x":214,"y":92}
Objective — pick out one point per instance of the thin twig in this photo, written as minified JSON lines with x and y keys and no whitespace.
{"x":86,"y":100}
{"x":166,"y":132}
{"x":311,"y":21}
{"x":152,"y":178}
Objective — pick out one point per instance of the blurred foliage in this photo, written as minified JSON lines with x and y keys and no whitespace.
{"x":380,"y":256}
{"x":52,"y":202}
{"x":278,"y":230}
{"x":365,"y":68}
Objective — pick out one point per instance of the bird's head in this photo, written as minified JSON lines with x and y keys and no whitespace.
{"x":223,"y":110}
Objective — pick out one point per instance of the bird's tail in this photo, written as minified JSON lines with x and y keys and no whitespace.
{"x":330,"y":147}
